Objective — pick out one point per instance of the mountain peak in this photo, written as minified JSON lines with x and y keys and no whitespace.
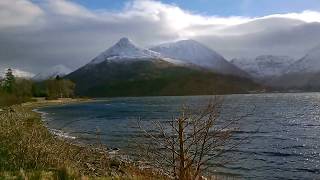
{"x":125,"y":49}
{"x":185,"y":43}
{"x":124,"y":40}
{"x":189,"y":41}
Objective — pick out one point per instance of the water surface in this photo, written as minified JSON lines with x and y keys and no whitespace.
{"x":282,"y":130}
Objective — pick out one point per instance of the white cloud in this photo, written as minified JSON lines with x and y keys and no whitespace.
{"x":18,"y":13}
{"x":178,"y":17}
{"x":21,"y":12}
{"x":67,"y":8}
{"x":306,"y":16}
{"x":177,"y":20}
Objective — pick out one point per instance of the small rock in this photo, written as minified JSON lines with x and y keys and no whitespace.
{"x":113,"y":151}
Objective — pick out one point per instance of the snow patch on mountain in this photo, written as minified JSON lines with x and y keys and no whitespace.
{"x":58,"y":70}
{"x":126,"y":50}
{"x":265,"y":66}
{"x":192,"y":52}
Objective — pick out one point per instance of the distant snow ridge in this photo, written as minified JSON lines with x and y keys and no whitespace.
{"x":192,"y":52}
{"x":125,"y":49}
{"x":58,"y":70}
{"x":265,"y":66}
{"x":303,"y":74}
{"x":308,"y":64}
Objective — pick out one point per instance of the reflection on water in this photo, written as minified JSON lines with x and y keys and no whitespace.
{"x":283,"y":130}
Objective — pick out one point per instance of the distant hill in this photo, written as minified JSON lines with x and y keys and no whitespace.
{"x":303,"y":74}
{"x":128,"y":70}
{"x":58,"y":70}
{"x":265,"y":67}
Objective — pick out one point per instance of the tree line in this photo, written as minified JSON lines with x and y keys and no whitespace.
{"x":14,"y":90}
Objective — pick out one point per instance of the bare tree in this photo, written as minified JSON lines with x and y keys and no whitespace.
{"x":183,"y":146}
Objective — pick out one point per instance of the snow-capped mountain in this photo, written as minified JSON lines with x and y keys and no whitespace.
{"x":308,"y":64}
{"x":265,"y":66}
{"x":126,"y":50}
{"x":303,"y":74}
{"x":128,"y":70}
{"x":192,"y":52}
{"x":186,"y":53}
{"x":17,"y":73}
{"x":58,"y":70}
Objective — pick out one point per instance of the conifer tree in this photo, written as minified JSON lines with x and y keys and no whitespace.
{"x":9,"y":82}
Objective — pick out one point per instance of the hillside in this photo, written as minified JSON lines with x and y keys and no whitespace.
{"x":128,"y":70}
{"x":147,"y":78}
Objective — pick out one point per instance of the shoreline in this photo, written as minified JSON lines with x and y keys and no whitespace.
{"x":65,"y":136}
{"x":48,"y":103}
{"x":42,"y":102}
{"x":29,"y":149}
{"x":55,"y":132}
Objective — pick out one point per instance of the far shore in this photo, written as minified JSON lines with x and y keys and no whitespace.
{"x":42,"y":102}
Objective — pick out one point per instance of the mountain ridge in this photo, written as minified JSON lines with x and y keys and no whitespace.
{"x":302,"y":74}
{"x":143,"y":74}
{"x":193,"y":52}
{"x":264,"y":67}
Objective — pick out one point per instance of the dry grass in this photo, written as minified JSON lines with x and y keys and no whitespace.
{"x":28,"y":149}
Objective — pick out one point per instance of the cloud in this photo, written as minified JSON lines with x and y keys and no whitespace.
{"x":15,"y":13}
{"x":306,"y":16}
{"x":67,"y":8}
{"x":34,"y":35}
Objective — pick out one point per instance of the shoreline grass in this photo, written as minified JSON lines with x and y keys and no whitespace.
{"x":29,"y":150}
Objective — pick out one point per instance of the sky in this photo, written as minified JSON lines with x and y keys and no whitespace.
{"x":38,"y":34}
{"x":220,"y":7}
